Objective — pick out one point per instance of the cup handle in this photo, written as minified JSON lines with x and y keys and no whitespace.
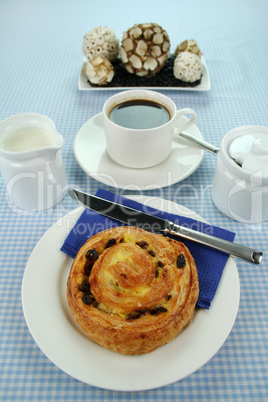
{"x":189,"y":123}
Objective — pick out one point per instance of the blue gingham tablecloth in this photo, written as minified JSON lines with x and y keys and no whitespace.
{"x":40,"y":58}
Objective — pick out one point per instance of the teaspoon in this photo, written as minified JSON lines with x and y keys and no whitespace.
{"x":203,"y":144}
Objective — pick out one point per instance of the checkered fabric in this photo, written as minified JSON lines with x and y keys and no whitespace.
{"x":40,"y":58}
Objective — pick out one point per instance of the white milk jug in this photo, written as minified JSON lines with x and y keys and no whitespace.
{"x":31,"y":161}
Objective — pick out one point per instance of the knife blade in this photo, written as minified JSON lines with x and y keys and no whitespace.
{"x":151,"y":223}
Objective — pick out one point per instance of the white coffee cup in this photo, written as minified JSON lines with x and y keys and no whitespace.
{"x":143,"y":147}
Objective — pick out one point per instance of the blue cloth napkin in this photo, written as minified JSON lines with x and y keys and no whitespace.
{"x":210,"y":263}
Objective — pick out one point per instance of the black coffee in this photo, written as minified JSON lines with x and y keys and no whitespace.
{"x":139,"y":114}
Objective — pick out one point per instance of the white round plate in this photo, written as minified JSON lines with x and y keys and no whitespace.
{"x":90,"y":153}
{"x":205,"y":85}
{"x":59,"y":337}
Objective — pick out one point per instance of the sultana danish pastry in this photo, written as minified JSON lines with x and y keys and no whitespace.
{"x":132,"y":291}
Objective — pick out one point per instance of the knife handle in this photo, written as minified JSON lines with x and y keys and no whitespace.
{"x":234,"y":249}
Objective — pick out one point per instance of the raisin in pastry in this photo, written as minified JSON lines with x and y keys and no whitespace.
{"x":132,"y":291}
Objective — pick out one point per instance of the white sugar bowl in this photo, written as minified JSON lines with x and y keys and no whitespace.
{"x":240,"y":185}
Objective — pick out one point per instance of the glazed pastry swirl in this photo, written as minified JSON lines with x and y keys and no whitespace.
{"x":132,"y":291}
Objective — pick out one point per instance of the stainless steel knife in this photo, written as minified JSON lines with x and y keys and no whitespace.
{"x":152,"y":223}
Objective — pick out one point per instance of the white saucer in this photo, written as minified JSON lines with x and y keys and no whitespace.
{"x":90,"y":153}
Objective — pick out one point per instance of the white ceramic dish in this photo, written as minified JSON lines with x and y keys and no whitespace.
{"x":90,"y":153}
{"x":84,"y":85}
{"x":239,"y":193}
{"x":54,"y":330}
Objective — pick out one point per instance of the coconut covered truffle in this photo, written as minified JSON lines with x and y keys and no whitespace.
{"x":101,"y":41}
{"x":187,"y":67}
{"x":188,"y":46}
{"x":99,"y":70}
{"x":144,"y":49}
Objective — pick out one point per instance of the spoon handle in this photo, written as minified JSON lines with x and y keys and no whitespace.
{"x":203,"y":144}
